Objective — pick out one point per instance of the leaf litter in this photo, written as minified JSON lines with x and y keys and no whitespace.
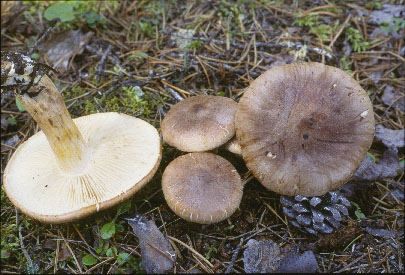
{"x":158,"y":256}
{"x":268,"y":257}
{"x":224,"y":62}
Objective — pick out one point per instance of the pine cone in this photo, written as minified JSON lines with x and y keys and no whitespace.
{"x":317,"y":214}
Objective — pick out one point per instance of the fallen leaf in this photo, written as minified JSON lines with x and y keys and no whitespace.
{"x":295,"y":263}
{"x":390,"y":138}
{"x":393,"y":98}
{"x":385,"y":168}
{"x":268,"y":257}
{"x":60,"y":47}
{"x":398,"y":194}
{"x":261,"y":257}
{"x":64,"y":253}
{"x":386,"y":14}
{"x":377,"y":232}
{"x":375,"y":76}
{"x":4,"y":123}
{"x":13,"y":141}
{"x":157,"y":254}
{"x":50,"y":244}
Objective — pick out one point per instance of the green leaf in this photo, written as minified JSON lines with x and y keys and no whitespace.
{"x":108,"y":230}
{"x":119,"y":228}
{"x":20,"y":106}
{"x":5,"y":254}
{"x":220,"y":94}
{"x":124,"y":207}
{"x":60,"y":10}
{"x":371,"y":156}
{"x":89,"y":260}
{"x":12,"y":121}
{"x":111,"y":252}
{"x":92,"y":18}
{"x":35,"y":55}
{"x":138,"y":55}
{"x":355,"y":205}
{"x":123,"y":258}
{"x":359,"y":214}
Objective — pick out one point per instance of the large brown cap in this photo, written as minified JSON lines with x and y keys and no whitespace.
{"x":202,"y":187}
{"x":200,"y":123}
{"x":304,"y":128}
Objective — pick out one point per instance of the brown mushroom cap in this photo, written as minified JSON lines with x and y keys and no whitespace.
{"x":200,"y":123}
{"x":202,"y":187}
{"x":125,"y":154}
{"x":304,"y":128}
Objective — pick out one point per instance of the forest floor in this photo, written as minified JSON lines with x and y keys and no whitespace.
{"x":140,"y":58}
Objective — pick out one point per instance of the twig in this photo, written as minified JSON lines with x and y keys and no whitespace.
{"x":242,"y":46}
{"x":45,"y":35}
{"x":234,"y":257}
{"x":25,"y":252}
{"x":72,"y":253}
{"x":352,"y":263}
{"x":225,"y":66}
{"x":172,"y":92}
{"x":193,"y":250}
{"x":339,"y":31}
{"x":100,"y":53}
{"x":100,"y":67}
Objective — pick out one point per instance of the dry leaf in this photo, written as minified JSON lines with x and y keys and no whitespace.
{"x":390,"y":137}
{"x":261,"y":257}
{"x":296,"y":263}
{"x":60,"y":47}
{"x":393,"y":98}
{"x":157,"y":254}
{"x":385,"y":168}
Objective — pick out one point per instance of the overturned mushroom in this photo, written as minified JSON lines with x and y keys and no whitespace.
{"x":73,"y":168}
{"x":202,"y":187}
{"x":304,"y":128}
{"x":199,"y":123}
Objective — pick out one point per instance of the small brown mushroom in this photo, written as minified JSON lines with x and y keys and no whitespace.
{"x":304,"y":128}
{"x":202,"y":187}
{"x":199,"y":123}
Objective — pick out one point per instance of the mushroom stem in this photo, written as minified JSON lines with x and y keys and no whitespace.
{"x":49,"y":111}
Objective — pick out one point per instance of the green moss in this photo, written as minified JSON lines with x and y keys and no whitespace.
{"x":356,"y":39}
{"x":127,"y":100}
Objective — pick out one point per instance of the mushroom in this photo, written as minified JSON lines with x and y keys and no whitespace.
{"x":304,"y":128}
{"x":202,"y":187}
{"x":73,"y":168}
{"x":233,"y":146}
{"x":199,"y":123}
